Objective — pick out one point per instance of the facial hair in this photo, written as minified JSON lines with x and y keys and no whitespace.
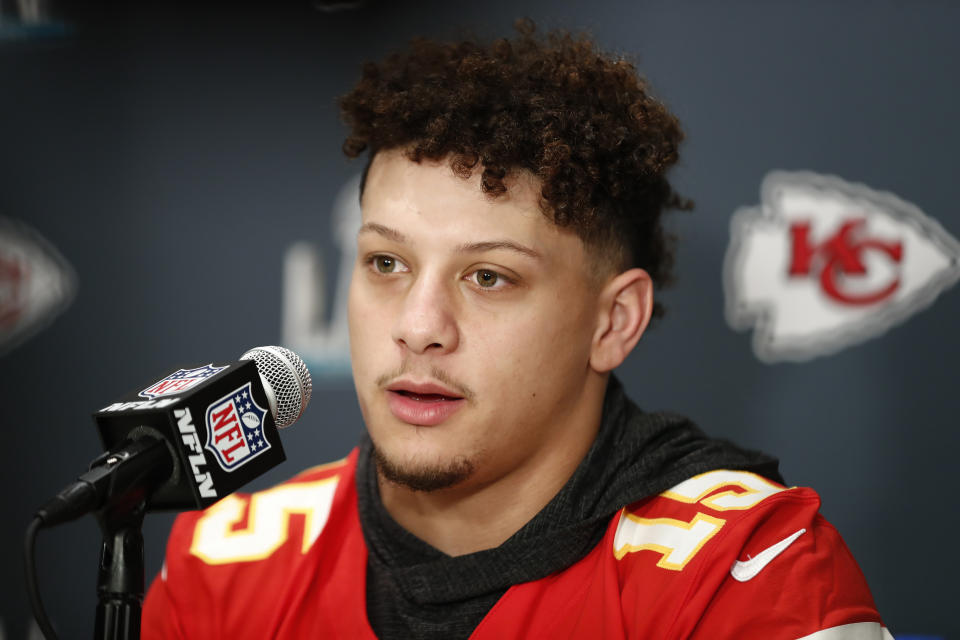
{"x":423,"y":478}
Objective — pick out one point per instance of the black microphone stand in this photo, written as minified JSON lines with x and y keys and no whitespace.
{"x":120,"y":579}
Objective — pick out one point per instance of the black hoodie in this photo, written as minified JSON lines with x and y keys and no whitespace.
{"x":417,"y":591}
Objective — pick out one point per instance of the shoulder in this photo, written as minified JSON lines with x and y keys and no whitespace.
{"x":731,"y":553}
{"x":244,"y":528}
{"x":246,"y":545}
{"x":252,"y":527}
{"x":687,"y":516}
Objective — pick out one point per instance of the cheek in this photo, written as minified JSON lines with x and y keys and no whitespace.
{"x":529,"y":350}
{"x":366,"y":322}
{"x":355,"y":314}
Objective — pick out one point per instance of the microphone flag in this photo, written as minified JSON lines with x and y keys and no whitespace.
{"x":216,"y":421}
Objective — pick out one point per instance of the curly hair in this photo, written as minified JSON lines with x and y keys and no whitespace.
{"x":581,"y":121}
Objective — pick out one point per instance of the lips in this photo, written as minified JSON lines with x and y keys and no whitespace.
{"x":422,"y":404}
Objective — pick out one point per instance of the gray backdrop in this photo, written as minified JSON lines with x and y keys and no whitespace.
{"x":173,"y":155}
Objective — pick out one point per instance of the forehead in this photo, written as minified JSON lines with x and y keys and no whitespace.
{"x":429,"y":197}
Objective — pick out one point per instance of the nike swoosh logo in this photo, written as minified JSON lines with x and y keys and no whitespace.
{"x":747,"y":570}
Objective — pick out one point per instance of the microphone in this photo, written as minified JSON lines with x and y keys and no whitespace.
{"x":188,"y":439}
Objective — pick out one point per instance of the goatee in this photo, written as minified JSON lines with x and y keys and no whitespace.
{"x":423,"y":478}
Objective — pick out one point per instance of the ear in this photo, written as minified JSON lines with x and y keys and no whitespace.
{"x":626,"y":303}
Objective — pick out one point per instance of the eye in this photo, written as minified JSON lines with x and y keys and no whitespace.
{"x":489,"y":279}
{"x":486,"y":278}
{"x":386,"y":264}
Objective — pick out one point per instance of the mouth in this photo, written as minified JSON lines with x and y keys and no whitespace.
{"x":425,"y":397}
{"x":422,"y":405}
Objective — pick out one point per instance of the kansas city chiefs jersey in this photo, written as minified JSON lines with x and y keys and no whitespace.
{"x":726,"y":554}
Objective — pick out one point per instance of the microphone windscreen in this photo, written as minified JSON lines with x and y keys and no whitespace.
{"x":288,"y":379}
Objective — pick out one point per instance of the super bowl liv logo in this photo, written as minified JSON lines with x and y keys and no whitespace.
{"x":315,"y":323}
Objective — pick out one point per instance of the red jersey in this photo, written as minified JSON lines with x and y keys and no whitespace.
{"x":726,"y":554}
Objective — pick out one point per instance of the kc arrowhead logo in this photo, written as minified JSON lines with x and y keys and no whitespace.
{"x":36,"y":283}
{"x":822,"y":264}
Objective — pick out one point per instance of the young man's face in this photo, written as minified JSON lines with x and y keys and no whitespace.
{"x":471,"y":322}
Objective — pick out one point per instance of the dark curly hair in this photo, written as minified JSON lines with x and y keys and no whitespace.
{"x":581,"y":121}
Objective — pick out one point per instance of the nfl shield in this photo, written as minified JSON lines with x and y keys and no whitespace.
{"x":235,"y":429}
{"x":180,"y":381}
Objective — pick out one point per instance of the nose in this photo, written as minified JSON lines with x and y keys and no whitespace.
{"x":427,"y":321}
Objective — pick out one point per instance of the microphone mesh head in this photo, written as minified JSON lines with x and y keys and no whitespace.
{"x":287,"y":376}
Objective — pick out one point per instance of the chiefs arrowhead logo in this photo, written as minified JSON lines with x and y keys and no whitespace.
{"x":822,"y":264}
{"x":36,"y":283}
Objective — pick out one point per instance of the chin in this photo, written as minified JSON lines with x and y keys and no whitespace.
{"x":422,"y":475}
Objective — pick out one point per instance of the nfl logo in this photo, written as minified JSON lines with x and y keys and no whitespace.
{"x":180,"y":381}
{"x":235,"y":429}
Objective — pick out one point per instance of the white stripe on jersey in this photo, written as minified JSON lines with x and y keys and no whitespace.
{"x":855,"y":631}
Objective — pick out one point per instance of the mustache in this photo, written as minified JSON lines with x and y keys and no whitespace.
{"x":434,"y":372}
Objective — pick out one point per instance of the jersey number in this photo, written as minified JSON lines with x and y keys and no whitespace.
{"x":216,"y":540}
{"x":677,"y":541}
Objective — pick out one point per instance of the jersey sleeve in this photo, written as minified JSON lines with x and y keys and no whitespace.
{"x":161,"y":618}
{"x":791,"y":584}
{"x":239,"y":568}
{"x":729,"y":554}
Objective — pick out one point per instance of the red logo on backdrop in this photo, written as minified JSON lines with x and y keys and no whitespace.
{"x":821,"y":264}
{"x":13,"y":277}
{"x":36,"y":283}
{"x":841,"y":255}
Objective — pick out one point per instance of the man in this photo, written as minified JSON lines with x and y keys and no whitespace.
{"x":510,"y":245}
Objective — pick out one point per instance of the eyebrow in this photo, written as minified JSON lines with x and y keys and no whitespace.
{"x":467,"y":247}
{"x":493,"y":245}
{"x":387,"y":232}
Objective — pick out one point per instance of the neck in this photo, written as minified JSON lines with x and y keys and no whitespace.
{"x":474,"y":516}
